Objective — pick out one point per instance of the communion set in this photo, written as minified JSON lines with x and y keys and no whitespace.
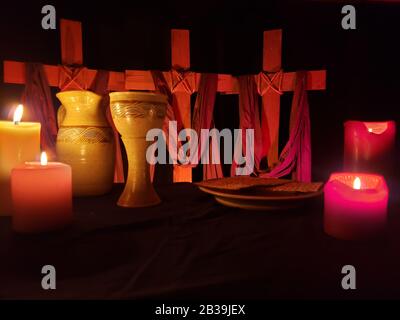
{"x":38,"y":194}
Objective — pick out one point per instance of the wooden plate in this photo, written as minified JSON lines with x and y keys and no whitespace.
{"x":260,"y":198}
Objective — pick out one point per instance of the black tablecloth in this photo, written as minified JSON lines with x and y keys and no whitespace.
{"x":192,"y":247}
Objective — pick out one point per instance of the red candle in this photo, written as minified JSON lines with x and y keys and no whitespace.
{"x":368,"y":146}
{"x":41,"y":196}
{"x":355,"y":205}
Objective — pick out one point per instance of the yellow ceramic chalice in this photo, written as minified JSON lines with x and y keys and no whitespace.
{"x":134,"y":114}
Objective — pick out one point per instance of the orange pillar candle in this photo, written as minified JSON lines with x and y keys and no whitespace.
{"x":41,"y":196}
{"x":19,"y":142}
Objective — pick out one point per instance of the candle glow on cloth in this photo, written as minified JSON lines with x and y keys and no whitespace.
{"x":368,"y":145}
{"x":355,"y":205}
{"x":41,"y":196}
{"x":19,"y":142}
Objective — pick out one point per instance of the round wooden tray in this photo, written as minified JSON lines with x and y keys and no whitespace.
{"x":261,"y":198}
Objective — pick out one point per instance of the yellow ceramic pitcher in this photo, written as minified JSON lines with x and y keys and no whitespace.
{"x":85,"y":142}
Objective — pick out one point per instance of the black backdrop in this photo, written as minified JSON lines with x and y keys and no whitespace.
{"x":363,"y":65}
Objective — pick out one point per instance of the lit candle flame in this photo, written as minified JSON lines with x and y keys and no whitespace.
{"x":43,"y":159}
{"x":370,"y":130}
{"x":18,"y":114}
{"x":357,"y":183}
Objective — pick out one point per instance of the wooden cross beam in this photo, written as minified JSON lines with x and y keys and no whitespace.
{"x":64,"y":76}
{"x":271,"y":82}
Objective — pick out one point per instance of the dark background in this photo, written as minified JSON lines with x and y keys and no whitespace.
{"x":362,"y":65}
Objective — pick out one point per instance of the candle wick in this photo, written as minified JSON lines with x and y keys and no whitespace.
{"x":16,"y":123}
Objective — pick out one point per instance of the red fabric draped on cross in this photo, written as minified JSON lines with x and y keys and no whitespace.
{"x":202,"y":116}
{"x":37,"y":99}
{"x":296,"y":156}
{"x":249,"y":117}
{"x":172,"y":113}
{"x":297,"y":153}
{"x":203,"y":119}
{"x":267,"y":82}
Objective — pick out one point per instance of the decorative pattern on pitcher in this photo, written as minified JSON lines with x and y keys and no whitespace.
{"x":85,"y":135}
{"x":137,"y":109}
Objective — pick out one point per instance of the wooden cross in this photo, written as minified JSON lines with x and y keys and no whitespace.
{"x":70,"y":75}
{"x":272,"y":82}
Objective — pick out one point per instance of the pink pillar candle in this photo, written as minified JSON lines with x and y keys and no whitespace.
{"x":41,"y":197}
{"x":368,"y":146}
{"x":355,"y":205}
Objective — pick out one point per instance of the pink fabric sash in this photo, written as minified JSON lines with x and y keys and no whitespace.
{"x":202,"y":115}
{"x":37,"y":99}
{"x":100,"y":86}
{"x":173,"y":113}
{"x":249,"y":116}
{"x":297,"y":153}
{"x":267,"y":82}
